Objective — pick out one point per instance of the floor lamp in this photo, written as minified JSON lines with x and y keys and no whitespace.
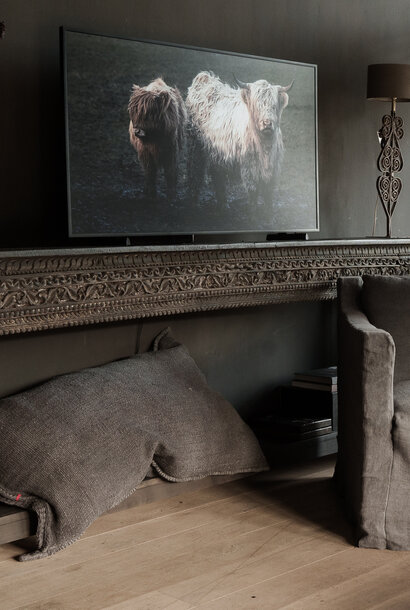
{"x":389,"y":83}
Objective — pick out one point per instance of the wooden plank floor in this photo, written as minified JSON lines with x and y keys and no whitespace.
{"x":274,"y":541}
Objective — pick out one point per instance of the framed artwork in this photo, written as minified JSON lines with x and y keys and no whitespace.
{"x":165,"y":139}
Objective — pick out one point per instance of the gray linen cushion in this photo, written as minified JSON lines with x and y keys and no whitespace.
{"x":386,"y":301}
{"x":397,"y":507}
{"x":79,"y":444}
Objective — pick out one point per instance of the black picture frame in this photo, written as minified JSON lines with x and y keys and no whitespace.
{"x":108,"y":183}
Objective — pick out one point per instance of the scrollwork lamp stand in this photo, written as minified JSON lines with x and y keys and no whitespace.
{"x":389,"y":162}
{"x":389,"y":82}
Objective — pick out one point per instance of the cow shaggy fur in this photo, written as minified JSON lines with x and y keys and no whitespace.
{"x":236,"y":126}
{"x":157,"y":126}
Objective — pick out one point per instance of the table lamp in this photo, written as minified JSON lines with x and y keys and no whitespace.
{"x":389,"y":83}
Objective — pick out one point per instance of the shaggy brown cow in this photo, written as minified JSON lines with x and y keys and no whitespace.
{"x":157,"y":125}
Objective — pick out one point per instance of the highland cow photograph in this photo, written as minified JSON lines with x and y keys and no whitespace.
{"x":171,"y":140}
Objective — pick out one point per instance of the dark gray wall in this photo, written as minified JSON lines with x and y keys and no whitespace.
{"x":244,"y":353}
{"x":342,"y":37}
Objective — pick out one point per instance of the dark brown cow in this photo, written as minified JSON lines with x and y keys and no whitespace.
{"x":157,"y":125}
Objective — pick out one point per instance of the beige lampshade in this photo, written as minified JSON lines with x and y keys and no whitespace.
{"x":388,"y":81}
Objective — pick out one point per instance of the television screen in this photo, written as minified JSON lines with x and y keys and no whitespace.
{"x":173,"y":140}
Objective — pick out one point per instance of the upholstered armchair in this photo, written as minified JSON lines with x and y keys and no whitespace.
{"x":373,"y":465}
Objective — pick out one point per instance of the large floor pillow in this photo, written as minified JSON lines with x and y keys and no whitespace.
{"x":79,"y":444}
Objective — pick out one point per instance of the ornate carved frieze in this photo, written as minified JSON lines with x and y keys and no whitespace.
{"x":44,"y":290}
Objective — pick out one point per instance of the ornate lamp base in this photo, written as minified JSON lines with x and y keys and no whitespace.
{"x":389,"y":162}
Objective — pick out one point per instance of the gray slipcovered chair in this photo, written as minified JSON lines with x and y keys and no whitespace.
{"x":373,"y":465}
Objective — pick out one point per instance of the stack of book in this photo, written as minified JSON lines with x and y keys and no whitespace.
{"x":285,"y":429}
{"x":317,"y":379}
{"x":300,"y":412}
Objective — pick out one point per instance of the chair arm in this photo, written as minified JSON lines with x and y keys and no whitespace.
{"x":366,"y":362}
{"x":366,"y":409}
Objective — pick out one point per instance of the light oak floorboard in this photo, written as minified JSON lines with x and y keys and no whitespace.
{"x":192,"y":561}
{"x":151,"y":601}
{"x":281,"y":553}
{"x":150,"y":548}
{"x":165,"y":508}
{"x":398,"y":602}
{"x":277,"y":540}
{"x":140,"y":514}
{"x":380,"y":586}
{"x":295,"y":585}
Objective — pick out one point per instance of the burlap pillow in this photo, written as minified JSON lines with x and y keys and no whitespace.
{"x":79,"y":444}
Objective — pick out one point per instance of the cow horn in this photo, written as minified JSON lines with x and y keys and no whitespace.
{"x":240,"y":83}
{"x":288,"y":87}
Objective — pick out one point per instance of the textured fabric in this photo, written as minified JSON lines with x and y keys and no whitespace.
{"x":79,"y":444}
{"x":365,"y":404}
{"x":373,"y":465}
{"x":402,"y":399}
{"x":386,"y":302}
{"x":398,"y":506}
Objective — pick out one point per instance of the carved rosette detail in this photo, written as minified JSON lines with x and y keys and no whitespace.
{"x":39,"y":292}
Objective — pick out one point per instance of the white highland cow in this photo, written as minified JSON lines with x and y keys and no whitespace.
{"x":236,"y":126}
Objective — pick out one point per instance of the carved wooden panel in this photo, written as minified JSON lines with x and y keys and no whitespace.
{"x":51,"y":289}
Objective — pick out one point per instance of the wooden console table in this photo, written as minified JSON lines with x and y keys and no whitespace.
{"x":47,"y":289}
